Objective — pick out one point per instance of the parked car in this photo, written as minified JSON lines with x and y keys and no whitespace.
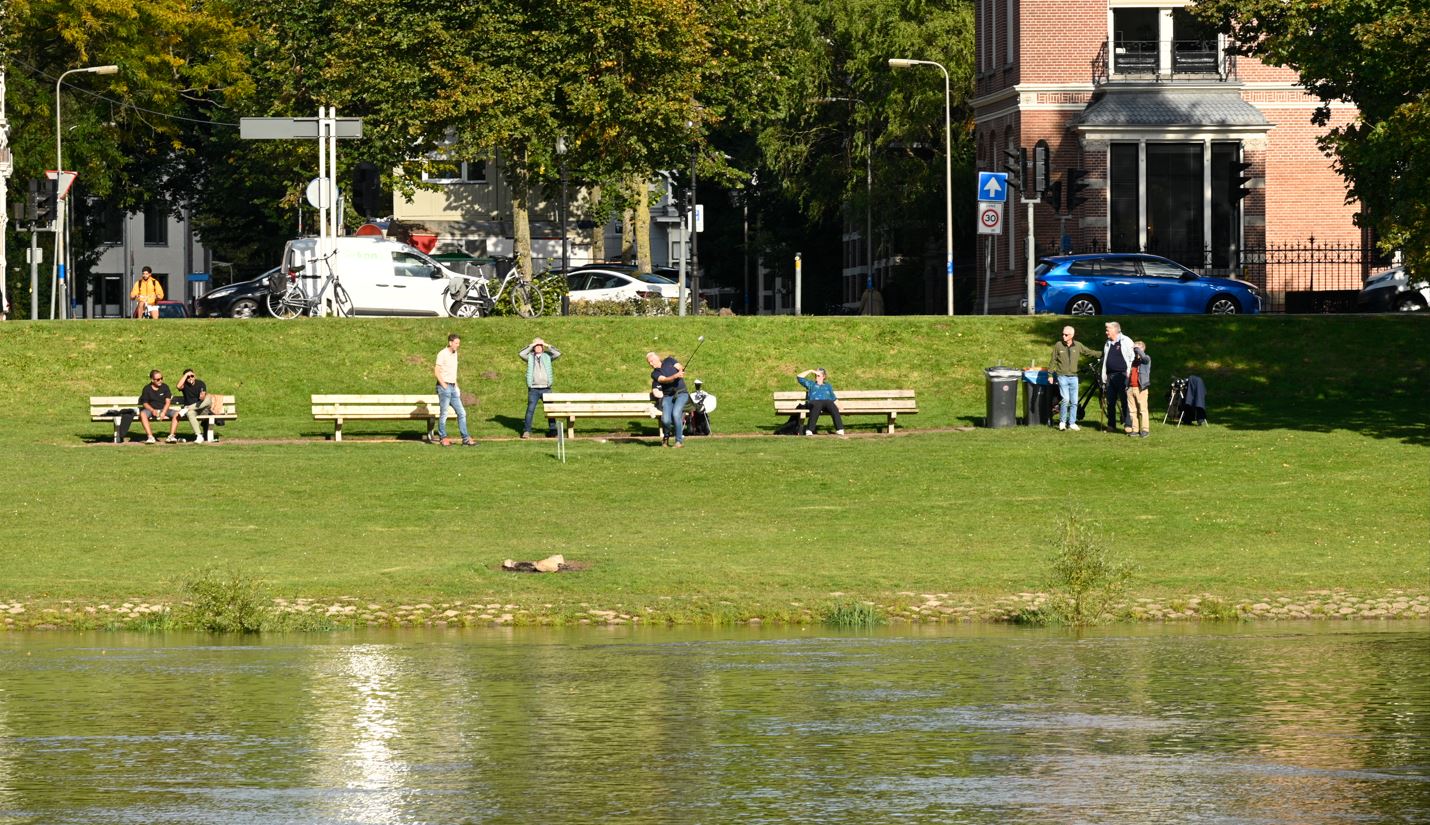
{"x":610,"y":284}
{"x":1393,"y":290}
{"x":245,"y":299}
{"x":1135,"y":283}
{"x":171,"y":309}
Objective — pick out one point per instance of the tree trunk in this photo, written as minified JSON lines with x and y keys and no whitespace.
{"x":598,"y":233}
{"x":640,"y":222}
{"x":521,"y":218}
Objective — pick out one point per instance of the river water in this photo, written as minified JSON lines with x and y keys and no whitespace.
{"x":1274,"y":723}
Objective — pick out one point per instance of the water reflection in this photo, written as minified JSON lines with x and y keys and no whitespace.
{"x":1308,"y":725}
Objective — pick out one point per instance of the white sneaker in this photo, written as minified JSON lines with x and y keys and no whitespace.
{"x":807,"y":432}
{"x":1074,"y":427}
{"x":171,"y":440}
{"x":1062,"y":425}
{"x":149,"y":440}
{"x":839,"y":432}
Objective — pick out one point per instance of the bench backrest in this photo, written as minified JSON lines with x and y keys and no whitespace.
{"x":855,"y":401}
{"x":413,"y":406}
{"x":798,"y":395}
{"x":101,"y":404}
{"x":596,"y":404}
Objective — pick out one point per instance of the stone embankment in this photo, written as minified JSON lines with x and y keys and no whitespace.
{"x":906,"y":608}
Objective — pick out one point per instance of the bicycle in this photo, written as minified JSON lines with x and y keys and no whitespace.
{"x":286,"y":298}
{"x":473,"y":297}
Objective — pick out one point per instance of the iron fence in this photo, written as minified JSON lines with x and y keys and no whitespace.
{"x":1294,"y":278}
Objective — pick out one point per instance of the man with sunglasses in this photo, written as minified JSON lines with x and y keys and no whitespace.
{"x":1063,"y":366}
{"x":156,"y":401}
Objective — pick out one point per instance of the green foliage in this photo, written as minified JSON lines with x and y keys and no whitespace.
{"x":851,"y":614}
{"x":223,"y":601}
{"x":1370,"y":53}
{"x":631,"y":306}
{"x":1087,"y":579}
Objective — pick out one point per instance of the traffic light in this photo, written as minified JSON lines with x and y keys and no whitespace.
{"x":1054,"y":196}
{"x":1075,"y":187}
{"x":367,"y":186}
{"x":1042,"y":170}
{"x":1016,"y":166}
{"x":1239,"y":180}
{"x":47,"y":207}
{"x":32,"y":202}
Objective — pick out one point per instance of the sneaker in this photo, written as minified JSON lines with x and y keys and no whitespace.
{"x":1131,"y":433}
{"x":665,"y":441}
{"x":171,"y":440}
{"x":1074,"y":427}
{"x":149,"y":440}
{"x":679,"y":444}
{"x":198,"y":439}
{"x":839,"y":433}
{"x":526,"y":435}
{"x":467,"y":442}
{"x":808,"y":432}
{"x":1062,"y":425}
{"x":1143,"y":434}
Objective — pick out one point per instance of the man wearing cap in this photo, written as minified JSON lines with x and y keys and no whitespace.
{"x":1064,"y":369}
{"x":538,"y":356}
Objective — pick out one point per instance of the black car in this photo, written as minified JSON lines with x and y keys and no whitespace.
{"x":1394,"y":291}
{"x":245,"y":299}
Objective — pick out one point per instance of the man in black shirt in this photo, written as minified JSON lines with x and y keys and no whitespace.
{"x":196,"y":402}
{"x":155,"y":402}
{"x":667,"y":381}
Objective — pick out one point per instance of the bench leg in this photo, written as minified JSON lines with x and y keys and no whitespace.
{"x":571,"y":426}
{"x":431,"y":429}
{"x":338,"y":429}
{"x":892,"y":416}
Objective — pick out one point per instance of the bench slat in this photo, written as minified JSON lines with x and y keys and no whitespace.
{"x":394,"y":411}
{"x":602,"y":412}
{"x":374,"y":399}
{"x":554,"y":397}
{"x":843,"y":395}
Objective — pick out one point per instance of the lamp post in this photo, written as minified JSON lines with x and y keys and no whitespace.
{"x":868,"y":190}
{"x":901,"y":63}
{"x":565,"y":248}
{"x":61,"y":229}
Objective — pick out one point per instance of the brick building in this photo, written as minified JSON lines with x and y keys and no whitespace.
{"x":1166,"y":125}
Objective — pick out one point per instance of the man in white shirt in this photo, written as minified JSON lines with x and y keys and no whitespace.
{"x":1117,"y":358}
{"x":448,"y":394}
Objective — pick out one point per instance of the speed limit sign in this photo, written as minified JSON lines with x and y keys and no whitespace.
{"x":990,"y":218}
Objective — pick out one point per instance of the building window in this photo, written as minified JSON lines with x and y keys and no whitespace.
{"x":111,"y":224}
{"x":1195,"y":45}
{"x":1123,"y":186}
{"x":1135,"y":40}
{"x":1226,"y":207}
{"x":1174,"y":201}
{"x":456,"y":171}
{"x":156,"y":226}
{"x":1008,"y":24}
{"x":1178,"y":206}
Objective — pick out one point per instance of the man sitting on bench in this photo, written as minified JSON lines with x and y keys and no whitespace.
{"x":818,"y":398}
{"x":157,"y":402}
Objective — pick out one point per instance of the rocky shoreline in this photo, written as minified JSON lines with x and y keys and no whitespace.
{"x":906,"y":608}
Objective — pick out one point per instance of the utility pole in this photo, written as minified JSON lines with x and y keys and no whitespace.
{"x":7,"y":167}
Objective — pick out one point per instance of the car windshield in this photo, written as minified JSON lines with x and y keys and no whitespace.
{"x":652,"y":278}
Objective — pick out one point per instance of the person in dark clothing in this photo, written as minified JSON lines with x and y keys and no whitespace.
{"x":819,"y":398}
{"x":1117,"y":358}
{"x":667,"y":381}
{"x":194,"y":394}
{"x":156,"y":402}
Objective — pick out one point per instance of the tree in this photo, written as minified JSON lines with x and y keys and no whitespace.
{"x":1370,"y":53}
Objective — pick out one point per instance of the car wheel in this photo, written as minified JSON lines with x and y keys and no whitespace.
{"x":1223,"y":305}
{"x":243,"y":308}
{"x":466,"y":309}
{"x":1083,"y":305}
{"x":1409,"y":303}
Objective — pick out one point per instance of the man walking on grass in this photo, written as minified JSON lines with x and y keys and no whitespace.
{"x":1117,"y":358}
{"x":448,"y":393}
{"x":1064,"y":369}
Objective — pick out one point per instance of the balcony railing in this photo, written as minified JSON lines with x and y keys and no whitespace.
{"x":1142,"y":59}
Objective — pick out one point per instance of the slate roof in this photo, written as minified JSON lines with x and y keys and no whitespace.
{"x":1169,"y":108}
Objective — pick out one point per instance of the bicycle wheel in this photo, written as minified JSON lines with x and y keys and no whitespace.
{"x":289,"y":303}
{"x":342,"y":301}
{"x":526,"y":300}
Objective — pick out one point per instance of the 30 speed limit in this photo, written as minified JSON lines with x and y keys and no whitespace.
{"x":990,"y":218}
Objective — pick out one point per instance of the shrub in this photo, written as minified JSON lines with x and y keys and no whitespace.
{"x":1086,"y":581}
{"x":224,"y":601}
{"x":851,"y":615}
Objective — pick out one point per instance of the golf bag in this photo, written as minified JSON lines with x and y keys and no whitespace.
{"x":697,"y":415}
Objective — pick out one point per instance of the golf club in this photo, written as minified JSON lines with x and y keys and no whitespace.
{"x":699,"y":342}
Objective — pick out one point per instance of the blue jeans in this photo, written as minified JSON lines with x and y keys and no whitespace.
{"x":672,"y":415}
{"x":1067,"y":388}
{"x":450,"y":396}
{"x":533,"y":395}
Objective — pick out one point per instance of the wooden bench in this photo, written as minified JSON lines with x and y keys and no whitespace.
{"x":340,"y":408}
{"x":111,"y":407}
{"x":888,"y":403}
{"x":568,"y":406}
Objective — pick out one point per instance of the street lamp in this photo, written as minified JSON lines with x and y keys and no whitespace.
{"x":61,"y":230}
{"x":565,"y":248}
{"x":868,"y":190}
{"x":901,"y":63}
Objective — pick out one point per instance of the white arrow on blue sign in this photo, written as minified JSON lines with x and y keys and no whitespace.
{"x":993,"y":187}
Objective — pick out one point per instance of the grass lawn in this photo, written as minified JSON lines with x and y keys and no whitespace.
{"x":1313,"y":475}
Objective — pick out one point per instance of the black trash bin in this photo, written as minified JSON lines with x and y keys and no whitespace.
{"x":1002,"y":397}
{"x":1038,"y":394}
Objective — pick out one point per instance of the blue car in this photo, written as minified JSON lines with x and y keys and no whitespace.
{"x":1133,"y":284}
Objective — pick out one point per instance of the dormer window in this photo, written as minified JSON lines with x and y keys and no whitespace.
{"x":1162,"y":41}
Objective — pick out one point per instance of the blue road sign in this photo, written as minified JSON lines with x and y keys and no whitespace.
{"x":993,"y":187}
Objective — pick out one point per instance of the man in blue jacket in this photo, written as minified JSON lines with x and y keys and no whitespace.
{"x":818,"y":398}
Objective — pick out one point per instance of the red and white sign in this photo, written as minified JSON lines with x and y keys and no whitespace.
{"x":990,"y":218}
{"x":66,"y":180}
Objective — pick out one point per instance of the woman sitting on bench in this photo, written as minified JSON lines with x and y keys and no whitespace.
{"x":818,"y":398}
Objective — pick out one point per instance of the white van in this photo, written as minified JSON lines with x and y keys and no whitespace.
{"x":382,"y":276}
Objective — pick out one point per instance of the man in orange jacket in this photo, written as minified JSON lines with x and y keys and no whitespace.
{"x":146,"y":293}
